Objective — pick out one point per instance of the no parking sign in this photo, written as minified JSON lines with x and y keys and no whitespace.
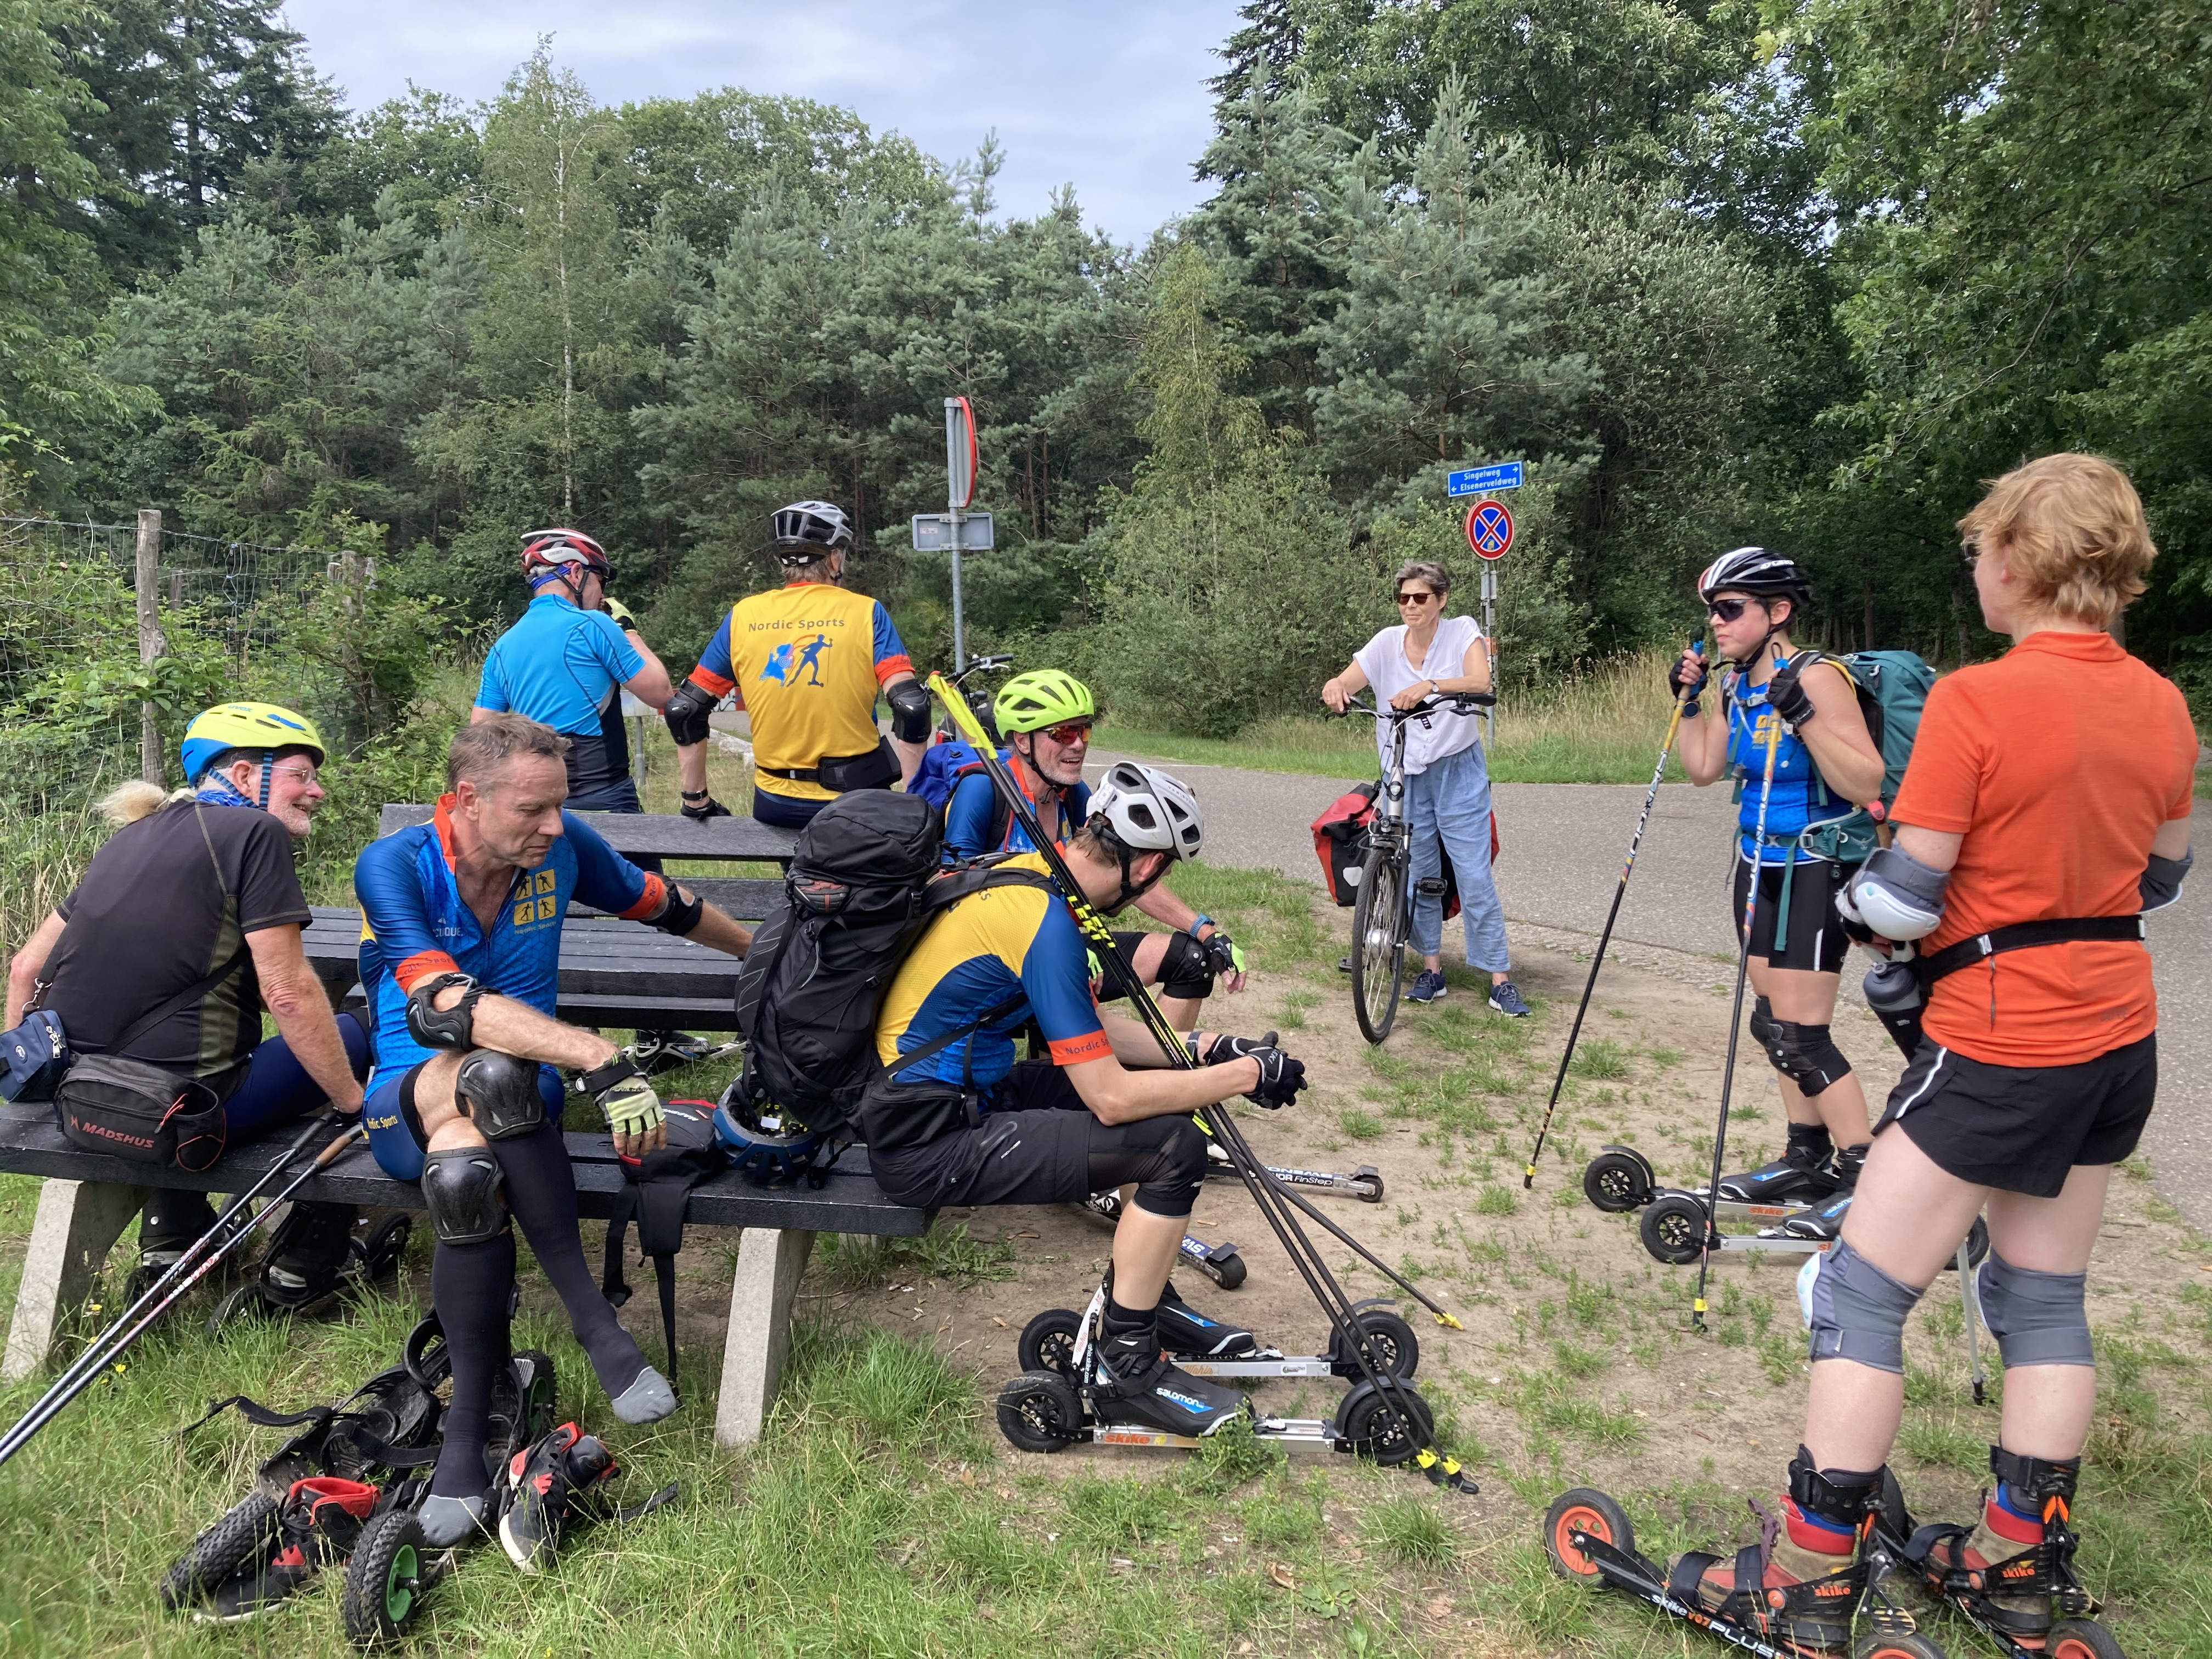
{"x":1489,"y":529}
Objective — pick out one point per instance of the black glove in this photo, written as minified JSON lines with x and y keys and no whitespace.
{"x":1679,"y":679}
{"x":1786,"y":697}
{"x":1281,"y":1076}
{"x":1222,"y":956}
{"x":708,"y":807}
{"x":1225,"y":1048}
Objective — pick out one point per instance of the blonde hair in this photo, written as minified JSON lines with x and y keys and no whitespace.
{"x":127,"y":803}
{"x":483,"y":747}
{"x":2071,"y":527}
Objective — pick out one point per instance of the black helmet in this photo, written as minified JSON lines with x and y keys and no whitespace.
{"x":1754,"y":570}
{"x":807,"y":531}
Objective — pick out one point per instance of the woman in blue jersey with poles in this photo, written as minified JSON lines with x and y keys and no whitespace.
{"x":1825,"y":762}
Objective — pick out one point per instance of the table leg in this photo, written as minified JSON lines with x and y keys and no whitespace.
{"x":77,"y":1221}
{"x":770,"y":1263}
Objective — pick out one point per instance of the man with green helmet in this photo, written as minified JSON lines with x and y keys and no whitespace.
{"x":1045,"y":716}
{"x":196,"y":895}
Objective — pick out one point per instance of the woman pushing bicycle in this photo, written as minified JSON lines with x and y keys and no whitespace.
{"x":1825,"y":765}
{"x":1447,"y":784}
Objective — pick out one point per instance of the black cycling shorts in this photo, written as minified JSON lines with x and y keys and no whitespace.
{"x":1814,"y":940}
{"x":1040,"y":1144}
{"x":2021,"y":1128}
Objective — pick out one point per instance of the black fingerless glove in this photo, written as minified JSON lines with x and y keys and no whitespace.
{"x":1786,"y":697}
{"x":1225,"y":1048}
{"x":1679,"y":680}
{"x":1281,"y":1076}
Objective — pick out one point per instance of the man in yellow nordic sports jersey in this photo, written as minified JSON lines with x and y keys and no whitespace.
{"x":806,"y":660}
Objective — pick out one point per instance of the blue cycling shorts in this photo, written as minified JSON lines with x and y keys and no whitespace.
{"x":395,"y":1130}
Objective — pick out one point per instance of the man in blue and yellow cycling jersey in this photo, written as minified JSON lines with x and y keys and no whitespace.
{"x":460,"y":957}
{"x":954,"y":1119}
{"x":806,"y":661}
{"x":1052,"y":711}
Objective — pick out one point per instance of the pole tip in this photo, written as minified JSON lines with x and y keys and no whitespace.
{"x":1528,"y":1178}
{"x":1449,"y":1322}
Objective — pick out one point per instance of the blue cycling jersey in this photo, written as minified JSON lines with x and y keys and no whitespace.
{"x":1799,"y":797}
{"x":971,"y":814}
{"x":414,"y":923}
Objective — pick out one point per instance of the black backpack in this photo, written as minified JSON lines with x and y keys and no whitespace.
{"x":655,"y":1189}
{"x":865,"y":882}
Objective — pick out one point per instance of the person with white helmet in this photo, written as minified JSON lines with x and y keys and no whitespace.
{"x":954,"y":1118}
{"x":566,"y":663}
{"x":806,"y":661}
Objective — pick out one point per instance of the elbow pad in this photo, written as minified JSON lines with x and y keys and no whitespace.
{"x":687,"y":711}
{"x":443,"y":1028}
{"x":909,"y":703}
{"x":2161,"y":882}
{"x":1897,"y":895}
{"x":681,"y":913}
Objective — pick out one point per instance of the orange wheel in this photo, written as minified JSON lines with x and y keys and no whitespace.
{"x":1592,"y":1514}
{"x":1897,"y":1647}
{"x":2082,"y":1638}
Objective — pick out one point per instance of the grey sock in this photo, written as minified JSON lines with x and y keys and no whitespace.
{"x":450,"y":1521}
{"x":646,"y":1400}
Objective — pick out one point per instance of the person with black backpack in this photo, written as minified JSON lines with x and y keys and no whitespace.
{"x":1825,"y":763}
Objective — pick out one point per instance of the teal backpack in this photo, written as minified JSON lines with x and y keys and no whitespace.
{"x":1893,"y":687}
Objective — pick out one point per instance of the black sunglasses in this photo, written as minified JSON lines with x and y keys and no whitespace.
{"x":1728,"y":610}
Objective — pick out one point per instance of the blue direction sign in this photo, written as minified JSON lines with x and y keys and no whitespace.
{"x":1480,"y":480}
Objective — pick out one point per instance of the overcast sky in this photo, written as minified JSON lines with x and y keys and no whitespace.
{"x":1110,"y":98}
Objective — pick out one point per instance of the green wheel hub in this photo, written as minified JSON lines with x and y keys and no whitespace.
{"x":400,"y":1585}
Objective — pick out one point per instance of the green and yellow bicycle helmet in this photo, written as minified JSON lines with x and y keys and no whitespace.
{"x":1043,"y":697}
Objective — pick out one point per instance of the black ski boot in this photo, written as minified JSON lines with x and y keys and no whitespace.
{"x":1801,"y":1583}
{"x":1826,"y":1221}
{"x":2019,"y":1560}
{"x":545,"y":1482}
{"x":308,"y":1254}
{"x":1139,"y":1388}
{"x":1800,"y":1173}
{"x":169,"y":1225}
{"x":321,"y":1521}
{"x":1189,"y":1334}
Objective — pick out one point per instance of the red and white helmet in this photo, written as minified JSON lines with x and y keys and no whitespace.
{"x":545,"y":551}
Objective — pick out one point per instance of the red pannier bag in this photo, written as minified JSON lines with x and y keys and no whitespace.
{"x":1339,"y":836}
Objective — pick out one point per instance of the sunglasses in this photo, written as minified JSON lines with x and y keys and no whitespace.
{"x":1070,"y":733}
{"x":1415,"y":598}
{"x":1728,"y":610}
{"x":1970,"y":549}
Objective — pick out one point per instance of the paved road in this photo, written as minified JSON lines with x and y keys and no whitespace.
{"x":1563,"y":844}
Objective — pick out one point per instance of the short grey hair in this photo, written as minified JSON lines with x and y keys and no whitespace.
{"x":484,"y":747}
{"x":1421,"y":570}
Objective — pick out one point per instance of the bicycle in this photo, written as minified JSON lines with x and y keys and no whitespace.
{"x":1383,"y":916}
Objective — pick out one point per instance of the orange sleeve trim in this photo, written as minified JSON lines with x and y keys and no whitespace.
{"x":656,"y":895}
{"x":892,"y":667}
{"x":1074,"y":1051}
{"x":707,"y":680}
{"x":421,"y":966}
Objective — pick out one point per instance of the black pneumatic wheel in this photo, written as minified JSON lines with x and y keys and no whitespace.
{"x":1590,"y":1512}
{"x":385,"y":1581}
{"x":1616,"y":1182}
{"x":1392,"y":1348}
{"x":1673,"y":1228}
{"x":247,"y":1529}
{"x":1048,"y":1342}
{"x":1910,"y":1645}
{"x":2081,"y":1638}
{"x":1378,"y":942}
{"x":1040,"y":1411}
{"x":1377,"y":1427}
{"x":380,"y":1253}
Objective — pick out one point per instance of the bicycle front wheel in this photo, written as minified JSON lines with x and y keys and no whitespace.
{"x":1378,"y":941}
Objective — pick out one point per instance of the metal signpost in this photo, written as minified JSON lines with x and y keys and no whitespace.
{"x":1489,"y":533}
{"x":960,"y":489}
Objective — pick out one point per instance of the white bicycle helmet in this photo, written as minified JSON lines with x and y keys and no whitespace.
{"x":1149,"y":811}
{"x":806,"y":531}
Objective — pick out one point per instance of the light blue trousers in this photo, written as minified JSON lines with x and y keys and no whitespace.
{"x":1447,"y":808}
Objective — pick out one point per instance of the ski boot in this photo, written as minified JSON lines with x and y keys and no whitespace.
{"x":544,"y":1485}
{"x":172,"y":1224}
{"x":1185,"y":1332}
{"x":308,"y":1254}
{"x":1802,"y":1582}
{"x":1824,"y":1222}
{"x":1800,"y":1173}
{"x":2012,"y":1572}
{"x":319,"y":1523}
{"x":1138,"y":1386}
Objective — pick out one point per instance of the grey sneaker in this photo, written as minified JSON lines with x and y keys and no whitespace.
{"x":1506,"y":999}
{"x":1428,"y":985}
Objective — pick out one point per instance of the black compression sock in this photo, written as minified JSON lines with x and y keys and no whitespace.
{"x":541,"y":1191}
{"x":1127,"y":1322}
{"x":471,"y":1285}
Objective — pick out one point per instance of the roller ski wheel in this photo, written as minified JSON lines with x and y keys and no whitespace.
{"x":1618,"y":1180}
{"x":1673,"y":1228}
{"x":1908,"y":1646}
{"x":2081,"y":1638}
{"x":1587,"y":1513}
{"x":319,"y":1523}
{"x":245,"y":1532}
{"x":1048,"y":1342}
{"x":1225,"y":1268}
{"x":1374,"y":1427}
{"x":1392,"y":1348}
{"x":385,"y":1580}
{"x":381,"y":1252}
{"x":1041,"y":1412}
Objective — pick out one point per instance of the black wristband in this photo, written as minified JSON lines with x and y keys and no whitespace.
{"x":601,"y":1079}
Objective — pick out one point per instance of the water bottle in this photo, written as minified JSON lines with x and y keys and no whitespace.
{"x":1893,"y":991}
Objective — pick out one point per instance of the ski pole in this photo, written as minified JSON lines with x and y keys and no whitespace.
{"x":1969,"y":1300}
{"x":1735,"y":1018}
{"x":108,"y":1352}
{"x":1574,"y":1033}
{"x":184,"y":1263}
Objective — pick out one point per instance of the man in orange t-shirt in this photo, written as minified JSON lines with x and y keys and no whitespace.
{"x":2045,"y":808}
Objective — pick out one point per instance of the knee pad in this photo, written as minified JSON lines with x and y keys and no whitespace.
{"x":461,"y":1188}
{"x":1859,"y":1311}
{"x":500,"y":1093}
{"x":1184,"y":970}
{"x":1807,"y":1055}
{"x":2037,"y":1318}
{"x":1169,"y":1181}
{"x":1762,"y":1025}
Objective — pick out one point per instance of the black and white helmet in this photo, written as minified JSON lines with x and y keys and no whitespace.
{"x":807,"y":531}
{"x":1754,"y":570}
{"x":1149,"y":811}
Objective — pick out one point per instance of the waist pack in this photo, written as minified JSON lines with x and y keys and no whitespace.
{"x":108,"y":1102}
{"x":865,"y":883}
{"x":873,"y":769}
{"x":656,"y":1188}
{"x":1339,"y":838}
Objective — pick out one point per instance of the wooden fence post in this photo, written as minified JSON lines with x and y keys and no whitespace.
{"x":150,"y":642}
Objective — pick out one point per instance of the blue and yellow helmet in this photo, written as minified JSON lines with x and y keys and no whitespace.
{"x":254,"y":727}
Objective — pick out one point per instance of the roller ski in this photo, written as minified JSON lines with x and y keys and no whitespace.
{"x":1817,"y":1574}
{"x":317,"y":1252}
{"x":1219,"y":1262}
{"x":2013,"y":1574}
{"x":1058,"y":1340}
{"x":1620,"y":1179}
{"x":1364,"y":1183}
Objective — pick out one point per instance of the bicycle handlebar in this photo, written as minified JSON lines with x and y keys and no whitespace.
{"x":1463,"y":701}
